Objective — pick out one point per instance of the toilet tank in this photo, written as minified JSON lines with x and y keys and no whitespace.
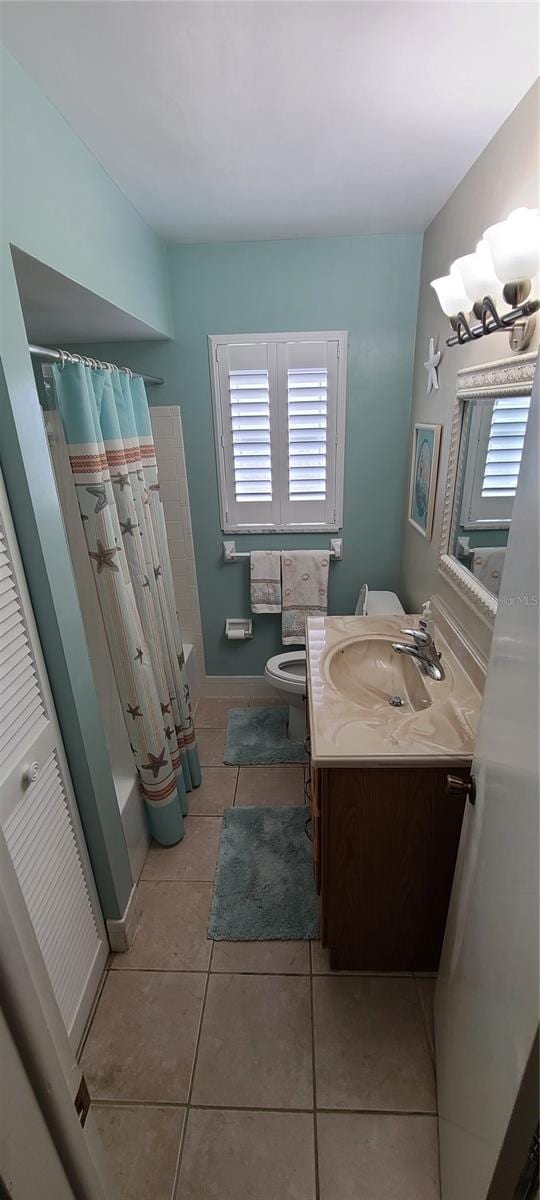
{"x":375,"y":603}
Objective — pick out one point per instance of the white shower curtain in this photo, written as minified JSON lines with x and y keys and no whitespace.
{"x":106,"y":421}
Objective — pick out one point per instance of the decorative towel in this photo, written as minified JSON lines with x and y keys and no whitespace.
{"x":265,"y":568}
{"x":305,"y":591}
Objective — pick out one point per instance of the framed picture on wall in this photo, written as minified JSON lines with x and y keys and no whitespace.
{"x":424,"y":467}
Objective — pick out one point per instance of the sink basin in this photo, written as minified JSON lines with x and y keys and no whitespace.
{"x":353,"y":677}
{"x":368,"y":672}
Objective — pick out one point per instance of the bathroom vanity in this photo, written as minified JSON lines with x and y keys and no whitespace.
{"x":386,"y":823}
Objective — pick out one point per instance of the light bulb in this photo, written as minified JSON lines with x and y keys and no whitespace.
{"x":453,"y":298}
{"x":515,"y":245}
{"x":478,"y":274}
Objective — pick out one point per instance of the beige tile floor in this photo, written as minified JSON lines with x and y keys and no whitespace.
{"x":250,"y":1071}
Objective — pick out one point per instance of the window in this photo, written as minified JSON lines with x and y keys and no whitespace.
{"x":496,"y":438}
{"x":279,"y":417}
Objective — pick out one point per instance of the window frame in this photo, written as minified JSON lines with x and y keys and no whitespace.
{"x":336,"y":462}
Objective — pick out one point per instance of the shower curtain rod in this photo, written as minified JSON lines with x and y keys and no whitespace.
{"x":46,"y":355}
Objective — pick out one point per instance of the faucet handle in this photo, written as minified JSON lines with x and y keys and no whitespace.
{"x":418,"y":635}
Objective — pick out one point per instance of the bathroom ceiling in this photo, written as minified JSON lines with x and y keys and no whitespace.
{"x":238,"y":121}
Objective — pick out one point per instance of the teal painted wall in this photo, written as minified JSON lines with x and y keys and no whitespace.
{"x":366,"y":285}
{"x":61,"y":207}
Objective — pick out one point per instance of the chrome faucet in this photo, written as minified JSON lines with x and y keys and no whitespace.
{"x":423,"y":649}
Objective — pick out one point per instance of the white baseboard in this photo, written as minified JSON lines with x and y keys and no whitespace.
{"x":237,"y":685}
{"x":121,"y":933}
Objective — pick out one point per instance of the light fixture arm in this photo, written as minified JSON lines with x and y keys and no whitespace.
{"x":492,"y":322}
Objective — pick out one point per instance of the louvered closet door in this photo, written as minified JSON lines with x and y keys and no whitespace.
{"x":38,"y":814}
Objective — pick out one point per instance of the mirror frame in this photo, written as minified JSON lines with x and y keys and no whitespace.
{"x":489,"y":381}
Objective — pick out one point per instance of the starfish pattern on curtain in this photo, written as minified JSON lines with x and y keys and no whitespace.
{"x":106,"y":421}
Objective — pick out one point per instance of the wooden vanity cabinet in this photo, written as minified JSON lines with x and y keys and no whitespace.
{"x":384,"y":842}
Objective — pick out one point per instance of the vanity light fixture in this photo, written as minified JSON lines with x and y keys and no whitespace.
{"x":494,"y":283}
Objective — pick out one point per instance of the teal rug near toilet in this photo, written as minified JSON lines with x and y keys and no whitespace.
{"x":264,"y":889}
{"x":258,"y":736}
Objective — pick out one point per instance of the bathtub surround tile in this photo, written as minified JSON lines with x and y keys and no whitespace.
{"x":211,"y":747}
{"x":371,"y":1050}
{"x":261,"y":958}
{"x":193,"y":859}
{"x":141,"y":1144}
{"x":167,"y":432}
{"x":372,"y":1156}
{"x":142,"y":1041}
{"x":270,"y":786}
{"x":172,"y":932}
{"x":247,"y":1156}
{"x":216,"y":792}
{"x":255,"y":1046}
{"x":213,"y":712}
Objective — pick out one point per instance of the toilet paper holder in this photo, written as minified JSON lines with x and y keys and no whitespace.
{"x":238,"y":629}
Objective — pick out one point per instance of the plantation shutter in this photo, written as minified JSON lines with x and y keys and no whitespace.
{"x":307,"y":374}
{"x":248,"y":433}
{"x":505,"y":446}
{"x":497,"y":435}
{"x":279,"y":405}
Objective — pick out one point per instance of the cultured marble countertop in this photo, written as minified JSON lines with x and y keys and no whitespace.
{"x":437,"y":726}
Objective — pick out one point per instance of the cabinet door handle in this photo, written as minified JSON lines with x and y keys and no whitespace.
{"x":461,"y":787}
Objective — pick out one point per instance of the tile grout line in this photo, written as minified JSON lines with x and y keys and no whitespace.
{"x":314,"y":1084}
{"x":205,"y":971}
{"x":176,"y":1179}
{"x":427,"y":1029}
{"x":106,"y":1102}
{"x":92,"y":1013}
{"x":238,"y":769}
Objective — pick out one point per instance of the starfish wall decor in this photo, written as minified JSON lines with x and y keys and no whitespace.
{"x":433,"y":360}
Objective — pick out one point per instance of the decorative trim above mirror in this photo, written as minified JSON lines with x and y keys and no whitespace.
{"x":489,"y":381}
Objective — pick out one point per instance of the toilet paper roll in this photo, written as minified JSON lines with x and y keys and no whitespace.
{"x":236,"y":635}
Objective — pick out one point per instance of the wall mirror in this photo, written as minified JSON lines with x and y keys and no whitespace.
{"x":488,"y":431}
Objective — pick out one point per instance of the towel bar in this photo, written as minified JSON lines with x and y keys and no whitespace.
{"x":231,"y":554}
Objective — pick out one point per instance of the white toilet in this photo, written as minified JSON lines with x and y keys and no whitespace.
{"x":287,"y":672}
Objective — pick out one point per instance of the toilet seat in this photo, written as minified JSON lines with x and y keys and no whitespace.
{"x":288,"y":671}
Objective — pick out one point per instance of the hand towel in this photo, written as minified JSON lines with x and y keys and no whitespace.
{"x":265,"y":567}
{"x":305,"y":591}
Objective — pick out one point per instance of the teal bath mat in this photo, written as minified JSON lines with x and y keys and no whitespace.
{"x":264,"y":889}
{"x":258,"y":736}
